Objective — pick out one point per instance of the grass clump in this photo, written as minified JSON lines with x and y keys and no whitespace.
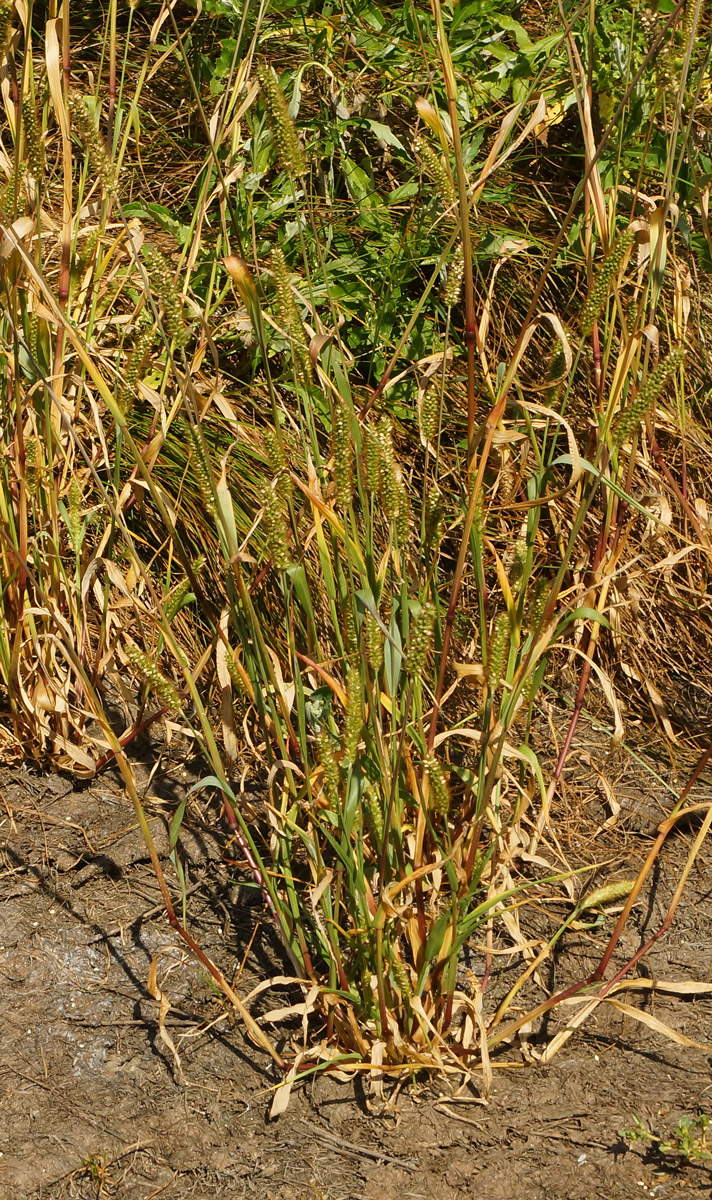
{"x":350,"y":462}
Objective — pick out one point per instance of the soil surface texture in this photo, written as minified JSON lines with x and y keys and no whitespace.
{"x":94,"y":1103}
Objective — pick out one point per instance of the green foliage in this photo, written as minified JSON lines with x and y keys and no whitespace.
{"x":687,"y":1142}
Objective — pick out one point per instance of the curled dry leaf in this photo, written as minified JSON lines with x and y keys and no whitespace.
{"x":164,"y":1007}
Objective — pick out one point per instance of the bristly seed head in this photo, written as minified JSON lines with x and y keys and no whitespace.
{"x":435,"y":168}
{"x":429,"y":412}
{"x":146,"y":667}
{"x":35,"y":151}
{"x":7,"y":10}
{"x":290,"y":155}
{"x":499,"y":644}
{"x":374,"y":642}
{"x":275,"y":529}
{"x":173,"y":602}
{"x":161,"y":279}
{"x":354,"y":713}
{"x":332,"y":775}
{"x":87,"y":132}
{"x":455,"y":276}
{"x":607,"y":275}
{"x":278,"y":461}
{"x":439,"y":790}
{"x":289,"y":318}
{"x":629,"y":418}
{"x":343,"y":454}
{"x":141,"y":349}
{"x":420,"y":641}
{"x":202,"y":469}
{"x":434,"y":517}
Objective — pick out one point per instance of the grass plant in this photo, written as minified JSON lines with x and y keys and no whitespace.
{"x":328,"y":414}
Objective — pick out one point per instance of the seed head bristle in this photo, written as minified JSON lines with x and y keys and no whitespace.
{"x":290,"y":155}
{"x":373,"y":639}
{"x":629,"y":418}
{"x":33,"y":142}
{"x":436,"y":170}
{"x":499,"y":644}
{"x":605,"y":280}
{"x":330,"y":767}
{"x":88,"y":134}
{"x":343,"y":455}
{"x":455,"y":276}
{"x":434,"y":517}
{"x":146,"y":667}
{"x":162,"y":282}
{"x":275,"y":529}
{"x":439,"y":790}
{"x":289,"y":318}
{"x":421,"y":637}
{"x":354,"y":713}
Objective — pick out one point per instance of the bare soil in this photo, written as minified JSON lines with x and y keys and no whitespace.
{"x":93,"y":1105}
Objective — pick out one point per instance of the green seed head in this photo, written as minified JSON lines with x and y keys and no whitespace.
{"x":35,"y":152}
{"x":289,"y":318}
{"x":278,"y":461}
{"x":374,"y":643}
{"x":332,"y":774}
{"x":555,"y":374}
{"x":162,"y":284}
{"x":7,"y":9}
{"x":31,"y":465}
{"x":375,"y":815}
{"x":455,"y":276}
{"x":146,"y":667}
{"x":372,"y":455}
{"x":429,"y":413}
{"x":538,"y":604}
{"x":202,"y":470}
{"x":349,"y":635}
{"x":439,"y":790}
{"x":88,"y":134}
{"x":607,"y":275}
{"x":74,"y":513}
{"x":235,"y":677}
{"x":141,"y":349}
{"x":609,"y":891}
{"x":354,"y":714}
{"x":434,"y":167}
{"x":629,"y":418}
{"x":518,"y":561}
{"x":290,"y":156}
{"x":173,"y":602}
{"x":343,"y":455}
{"x":421,"y":637}
{"x":499,"y":644}
{"x":434,"y":517}
{"x":479,"y":520}
{"x":401,"y":976}
{"x":275,"y":529}
{"x":13,"y":195}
